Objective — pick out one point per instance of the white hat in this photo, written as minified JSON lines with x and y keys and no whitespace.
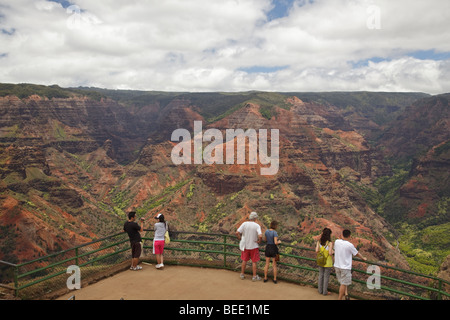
{"x":253,"y":216}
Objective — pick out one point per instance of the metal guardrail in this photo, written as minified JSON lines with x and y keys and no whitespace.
{"x":297,"y":264}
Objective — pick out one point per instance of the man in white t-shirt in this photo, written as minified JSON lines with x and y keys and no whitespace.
{"x":251,"y":235}
{"x":344,"y":251}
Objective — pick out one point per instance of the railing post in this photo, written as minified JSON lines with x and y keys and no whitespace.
{"x":225,"y":251}
{"x":16,"y":281}
{"x":76,"y":256}
{"x":440,"y":290}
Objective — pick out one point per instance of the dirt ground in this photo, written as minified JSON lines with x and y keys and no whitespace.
{"x":191,"y":283}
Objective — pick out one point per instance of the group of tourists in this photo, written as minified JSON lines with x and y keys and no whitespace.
{"x":250,"y":237}
{"x":343,"y":250}
{"x":133,"y":229}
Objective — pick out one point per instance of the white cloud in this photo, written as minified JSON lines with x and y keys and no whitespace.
{"x":204,"y":45}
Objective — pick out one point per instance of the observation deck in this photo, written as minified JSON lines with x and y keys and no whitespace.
{"x":200,"y":266}
{"x":191,"y":283}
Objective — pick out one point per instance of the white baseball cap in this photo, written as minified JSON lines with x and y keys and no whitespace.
{"x":253,"y":215}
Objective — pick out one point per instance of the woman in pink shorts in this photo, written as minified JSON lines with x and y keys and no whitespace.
{"x":158,"y":240}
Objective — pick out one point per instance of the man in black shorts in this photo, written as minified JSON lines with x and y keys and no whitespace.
{"x":133,"y":230}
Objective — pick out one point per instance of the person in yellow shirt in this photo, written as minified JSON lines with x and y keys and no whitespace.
{"x":325,"y":245}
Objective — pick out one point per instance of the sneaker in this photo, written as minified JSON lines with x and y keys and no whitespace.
{"x":158,"y":266}
{"x":137,"y":268}
{"x":242,"y":276}
{"x":256,"y":278}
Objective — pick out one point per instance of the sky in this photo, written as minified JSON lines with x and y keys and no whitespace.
{"x":228,"y":45}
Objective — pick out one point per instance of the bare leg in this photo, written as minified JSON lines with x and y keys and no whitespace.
{"x":243,"y":267}
{"x":266,"y":268}
{"x":342,"y":291}
{"x":274,"y":263}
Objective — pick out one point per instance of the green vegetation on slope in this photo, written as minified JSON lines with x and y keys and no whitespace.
{"x":380,"y":107}
{"x":425,"y":244}
{"x":24,"y":90}
{"x":425,"y":249}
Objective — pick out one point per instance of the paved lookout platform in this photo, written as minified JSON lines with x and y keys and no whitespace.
{"x":191,"y":283}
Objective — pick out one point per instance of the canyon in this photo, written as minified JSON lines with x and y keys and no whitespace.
{"x":74,"y":161}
